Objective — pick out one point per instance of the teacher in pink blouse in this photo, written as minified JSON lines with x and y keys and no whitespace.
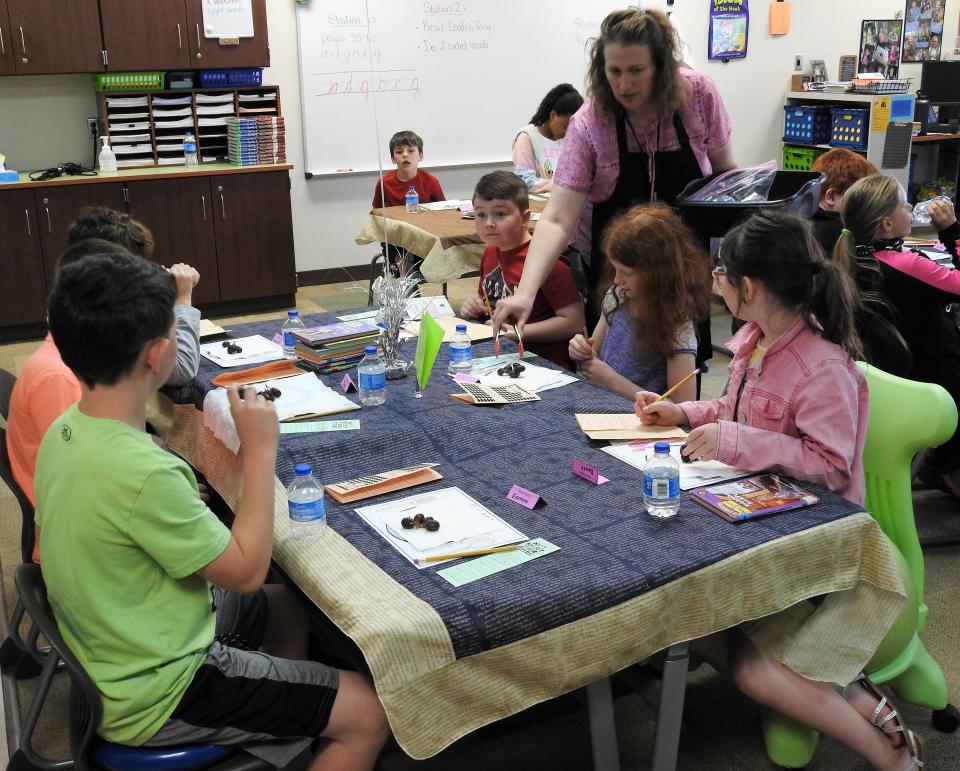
{"x":648,"y":128}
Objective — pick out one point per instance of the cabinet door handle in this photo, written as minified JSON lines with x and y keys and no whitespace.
{"x":203,"y":207}
{"x":26,"y":213}
{"x":49,"y":224}
{"x":23,"y":42}
{"x":179,"y":37}
{"x":199,"y":55}
{"x":3,"y":49}
{"x":223,"y":206}
{"x":126,"y":194}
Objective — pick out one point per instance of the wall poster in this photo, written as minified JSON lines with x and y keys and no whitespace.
{"x":880,"y":47}
{"x":923,"y":30}
{"x":729,"y":24}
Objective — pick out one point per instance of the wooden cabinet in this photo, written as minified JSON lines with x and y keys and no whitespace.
{"x":254,"y":235}
{"x":22,"y":290}
{"x":180,"y":215}
{"x":7,"y":67}
{"x":207,"y":53}
{"x":145,"y":34}
{"x":52,"y":36}
{"x":58,"y":206}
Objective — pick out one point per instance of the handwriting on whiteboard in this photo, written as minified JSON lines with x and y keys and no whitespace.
{"x":365,"y":82}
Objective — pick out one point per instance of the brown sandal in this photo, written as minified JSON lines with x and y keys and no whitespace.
{"x":884,"y":722}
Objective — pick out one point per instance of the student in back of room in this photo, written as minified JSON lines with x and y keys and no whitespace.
{"x":842,"y":167}
{"x":647,"y":129}
{"x":876,"y":218}
{"x":796,"y":404}
{"x":536,"y":147}
{"x":406,"y":151}
{"x":655,"y":290}
{"x":201,"y":652}
{"x":502,"y":211}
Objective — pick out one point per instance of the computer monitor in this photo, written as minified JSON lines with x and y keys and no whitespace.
{"x":940,"y":81}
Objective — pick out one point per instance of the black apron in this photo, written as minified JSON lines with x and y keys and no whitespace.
{"x":673,"y":171}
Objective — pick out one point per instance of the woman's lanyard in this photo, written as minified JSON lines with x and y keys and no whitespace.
{"x":651,"y":157}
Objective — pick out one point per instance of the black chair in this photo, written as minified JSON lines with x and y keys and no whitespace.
{"x":15,"y":656}
{"x":7,"y":379}
{"x":87,"y":750}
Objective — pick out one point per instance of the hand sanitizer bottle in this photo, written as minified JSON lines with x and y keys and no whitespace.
{"x":107,"y":160}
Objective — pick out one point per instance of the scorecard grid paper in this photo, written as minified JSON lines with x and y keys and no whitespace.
{"x":620,"y":587}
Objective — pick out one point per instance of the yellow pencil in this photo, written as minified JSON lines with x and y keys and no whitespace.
{"x":666,"y":393}
{"x":458,"y":555}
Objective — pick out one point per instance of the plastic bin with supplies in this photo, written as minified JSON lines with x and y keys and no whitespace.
{"x":795,"y":191}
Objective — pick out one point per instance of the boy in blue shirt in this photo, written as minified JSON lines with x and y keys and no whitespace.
{"x":144,"y":580}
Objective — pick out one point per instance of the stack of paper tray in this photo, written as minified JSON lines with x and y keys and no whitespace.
{"x":259,"y":140}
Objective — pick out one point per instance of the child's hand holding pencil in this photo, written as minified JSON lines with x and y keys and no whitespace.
{"x":581,"y":347}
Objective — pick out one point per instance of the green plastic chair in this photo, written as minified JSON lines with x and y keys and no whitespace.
{"x":904,"y":417}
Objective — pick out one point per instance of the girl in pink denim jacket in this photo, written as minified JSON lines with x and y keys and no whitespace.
{"x":797,"y":404}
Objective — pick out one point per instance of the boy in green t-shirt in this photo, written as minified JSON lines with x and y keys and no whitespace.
{"x":131,"y":554}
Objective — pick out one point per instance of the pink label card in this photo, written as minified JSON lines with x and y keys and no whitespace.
{"x":465,"y":378}
{"x":588,"y":472}
{"x":347,"y":384}
{"x":278,"y":339}
{"x":525,"y":497}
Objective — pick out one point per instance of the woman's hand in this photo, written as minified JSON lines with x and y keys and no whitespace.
{"x":703,"y":442}
{"x":473,"y":308}
{"x":514,"y":309}
{"x":580,"y":349}
{"x":657,"y":413}
{"x":942,"y":213}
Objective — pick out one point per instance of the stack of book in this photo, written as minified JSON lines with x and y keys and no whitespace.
{"x":333,"y":347}
{"x":253,"y":141}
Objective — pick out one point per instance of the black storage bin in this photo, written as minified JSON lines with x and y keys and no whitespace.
{"x":796,"y":191}
{"x":179,"y":79}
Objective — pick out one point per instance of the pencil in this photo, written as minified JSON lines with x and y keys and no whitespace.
{"x":669,"y":391}
{"x":516,"y":331}
{"x":458,"y":555}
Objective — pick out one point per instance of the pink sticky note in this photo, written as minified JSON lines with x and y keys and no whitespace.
{"x":465,"y":378}
{"x":523,"y":496}
{"x":278,"y":339}
{"x":347,"y":384}
{"x":588,"y":472}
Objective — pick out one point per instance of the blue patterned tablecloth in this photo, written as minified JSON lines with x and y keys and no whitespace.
{"x":610,"y":550}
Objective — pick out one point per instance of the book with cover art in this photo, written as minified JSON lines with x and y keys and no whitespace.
{"x":753,"y":497}
{"x":325,"y":334}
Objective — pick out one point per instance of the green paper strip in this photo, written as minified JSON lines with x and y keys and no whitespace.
{"x":319,"y":425}
{"x":487,"y":565}
{"x":428,"y":345}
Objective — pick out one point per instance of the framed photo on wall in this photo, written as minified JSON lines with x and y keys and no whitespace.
{"x":923,"y":30}
{"x":880,"y":41}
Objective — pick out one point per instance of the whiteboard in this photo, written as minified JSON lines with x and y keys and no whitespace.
{"x":463,"y":74}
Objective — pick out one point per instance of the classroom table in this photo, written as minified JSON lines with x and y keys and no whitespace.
{"x":446,"y":661}
{"x":447,"y":243}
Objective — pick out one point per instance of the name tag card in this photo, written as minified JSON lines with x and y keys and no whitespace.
{"x":525,"y":497}
{"x":278,"y":339}
{"x":588,"y":472}
{"x":464,"y":378}
{"x":347,"y":384}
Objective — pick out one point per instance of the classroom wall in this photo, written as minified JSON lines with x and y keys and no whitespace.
{"x":41,"y":117}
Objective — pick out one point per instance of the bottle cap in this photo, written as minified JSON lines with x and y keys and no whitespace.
{"x":461,"y":327}
{"x":303,"y":469}
{"x":661,"y":447}
{"x":292,"y":314}
{"x":413,"y":188}
{"x":370,"y":350}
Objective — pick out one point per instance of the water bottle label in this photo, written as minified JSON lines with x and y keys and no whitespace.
{"x":659,"y":487}
{"x":461,"y":354}
{"x":373,"y":381}
{"x":289,"y":339}
{"x":309,"y":511}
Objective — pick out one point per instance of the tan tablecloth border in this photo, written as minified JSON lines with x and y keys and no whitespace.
{"x":433,"y":699}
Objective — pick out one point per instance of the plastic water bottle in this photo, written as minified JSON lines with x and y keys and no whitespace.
{"x":661,"y":483}
{"x":308,"y":512}
{"x":921,"y":212}
{"x":373,"y":378}
{"x":189,"y":150}
{"x":412,"y":200}
{"x":106,"y":159}
{"x":292,"y":323}
{"x":461,"y":353}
